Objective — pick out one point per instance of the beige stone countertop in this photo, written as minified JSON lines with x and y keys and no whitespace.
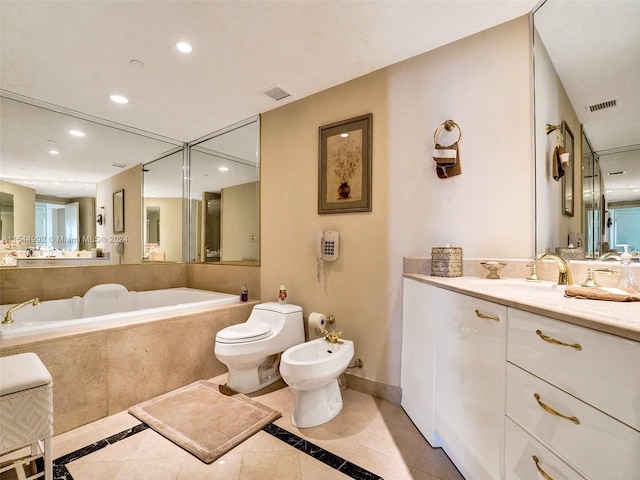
{"x":546,"y":298}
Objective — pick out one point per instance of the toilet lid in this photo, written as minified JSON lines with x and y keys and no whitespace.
{"x":244,"y":332}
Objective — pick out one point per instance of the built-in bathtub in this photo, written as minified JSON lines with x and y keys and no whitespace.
{"x":108,"y":304}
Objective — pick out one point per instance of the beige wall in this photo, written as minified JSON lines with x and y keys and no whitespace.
{"x":483,"y":83}
{"x":553,"y":106}
{"x":24,"y":207}
{"x":131,"y":182}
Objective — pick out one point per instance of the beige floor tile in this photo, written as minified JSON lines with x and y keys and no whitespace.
{"x":397,"y":443}
{"x":267,"y":466}
{"x":226,"y":467}
{"x":150,"y":469}
{"x":312,"y":469}
{"x":118,"y":452}
{"x":416,"y":474}
{"x":74,"y":439}
{"x":116,"y":423}
{"x":95,"y":470}
{"x":263,"y":442}
{"x":435,"y":462}
{"x":386,"y":467}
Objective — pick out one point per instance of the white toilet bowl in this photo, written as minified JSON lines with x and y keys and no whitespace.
{"x":312,"y":369}
{"x":251,"y":350}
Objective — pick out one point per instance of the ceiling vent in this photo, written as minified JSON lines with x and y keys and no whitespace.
{"x":602,"y":106}
{"x":118,"y":165}
{"x":276,"y":93}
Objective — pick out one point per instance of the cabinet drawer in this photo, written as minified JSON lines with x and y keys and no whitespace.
{"x":593,"y":443}
{"x":525,"y":458}
{"x":603,"y":371}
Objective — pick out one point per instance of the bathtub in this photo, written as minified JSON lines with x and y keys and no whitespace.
{"x":109,"y":304}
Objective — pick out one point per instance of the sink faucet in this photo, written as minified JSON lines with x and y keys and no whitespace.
{"x":332,"y":337}
{"x":564,"y":273}
{"x":7,"y":318}
{"x":610,"y":256}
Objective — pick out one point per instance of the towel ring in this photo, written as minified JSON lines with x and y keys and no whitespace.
{"x":449,"y":125}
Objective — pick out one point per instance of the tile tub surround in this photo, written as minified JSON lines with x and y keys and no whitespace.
{"x":98,"y":372}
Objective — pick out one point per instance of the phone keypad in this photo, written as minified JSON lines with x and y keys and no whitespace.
{"x":329,"y":248}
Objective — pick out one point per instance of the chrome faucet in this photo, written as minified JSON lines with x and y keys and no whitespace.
{"x":7,"y":318}
{"x":564,"y":273}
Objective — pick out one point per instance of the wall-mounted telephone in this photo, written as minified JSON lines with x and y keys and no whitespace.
{"x":328,"y":245}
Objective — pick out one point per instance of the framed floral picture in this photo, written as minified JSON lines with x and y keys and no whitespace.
{"x":344,"y":175}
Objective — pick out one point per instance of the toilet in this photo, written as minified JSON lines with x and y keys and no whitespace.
{"x":311,"y":370}
{"x":251,"y":350}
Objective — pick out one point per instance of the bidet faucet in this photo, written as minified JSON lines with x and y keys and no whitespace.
{"x":564,"y":273}
{"x":7,"y":318}
{"x":332,"y":337}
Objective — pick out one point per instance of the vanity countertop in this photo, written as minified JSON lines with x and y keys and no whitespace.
{"x":546,"y":298}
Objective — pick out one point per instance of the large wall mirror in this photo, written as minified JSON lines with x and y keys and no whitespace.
{"x":56,"y":189}
{"x":586,"y":72}
{"x":211,"y":214}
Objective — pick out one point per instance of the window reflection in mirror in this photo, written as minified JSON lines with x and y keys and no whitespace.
{"x":224,"y":193}
{"x":6,"y":215}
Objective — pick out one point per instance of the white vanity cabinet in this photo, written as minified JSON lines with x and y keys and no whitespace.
{"x":514,"y":395}
{"x":418,"y":355}
{"x":577,"y":392}
{"x":470,"y":382}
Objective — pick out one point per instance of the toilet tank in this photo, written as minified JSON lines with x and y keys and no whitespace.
{"x":278,"y":316}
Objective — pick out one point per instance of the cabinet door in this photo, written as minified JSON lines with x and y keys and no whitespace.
{"x":470,"y":382}
{"x":418,"y":355}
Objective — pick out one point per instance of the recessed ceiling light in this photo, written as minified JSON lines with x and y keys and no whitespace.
{"x":184,"y":47}
{"x":54,"y":152}
{"x":344,"y":135}
{"x":224,"y":169}
{"x":119,"y":99}
{"x":76,"y":133}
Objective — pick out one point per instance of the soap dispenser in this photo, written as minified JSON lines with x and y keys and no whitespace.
{"x":626,"y":275}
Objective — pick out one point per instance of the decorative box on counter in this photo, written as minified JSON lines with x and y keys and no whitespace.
{"x":570,"y":253}
{"x":446,"y":261}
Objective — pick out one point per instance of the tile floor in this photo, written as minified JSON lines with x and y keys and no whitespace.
{"x":371,"y":433}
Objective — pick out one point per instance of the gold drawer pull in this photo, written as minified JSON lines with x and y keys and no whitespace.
{"x":553,"y":412}
{"x":540,"y":470}
{"x":486,"y":317}
{"x":546,"y":338}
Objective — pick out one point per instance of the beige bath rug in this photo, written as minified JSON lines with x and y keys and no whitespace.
{"x":204,"y":421}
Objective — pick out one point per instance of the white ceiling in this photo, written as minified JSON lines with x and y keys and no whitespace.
{"x":74,"y":54}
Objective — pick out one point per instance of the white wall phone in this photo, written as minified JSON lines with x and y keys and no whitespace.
{"x":328,"y":245}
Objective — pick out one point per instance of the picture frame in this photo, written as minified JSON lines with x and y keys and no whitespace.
{"x":568,"y":178}
{"x":118,"y":211}
{"x":344,"y":166}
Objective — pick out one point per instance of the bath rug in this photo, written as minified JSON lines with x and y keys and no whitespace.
{"x":204,"y":421}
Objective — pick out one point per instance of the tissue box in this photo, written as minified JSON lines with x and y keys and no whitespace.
{"x":570,"y":253}
{"x":446,"y":262}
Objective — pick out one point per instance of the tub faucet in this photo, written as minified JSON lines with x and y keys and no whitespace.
{"x":332,"y":337}
{"x":7,"y":318}
{"x":564,"y":273}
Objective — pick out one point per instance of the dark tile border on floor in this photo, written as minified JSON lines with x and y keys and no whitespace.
{"x":60,"y":471}
{"x":343,"y":466}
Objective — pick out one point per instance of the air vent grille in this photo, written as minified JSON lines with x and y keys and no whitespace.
{"x":276,"y":93}
{"x":602,"y":106}
{"x":118,"y":165}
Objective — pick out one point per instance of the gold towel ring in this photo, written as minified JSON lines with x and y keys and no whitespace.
{"x":449,"y":125}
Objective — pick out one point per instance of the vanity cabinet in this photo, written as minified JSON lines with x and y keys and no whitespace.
{"x":418,"y":356}
{"x":470,"y":382}
{"x":514,"y":395}
{"x":577,"y":392}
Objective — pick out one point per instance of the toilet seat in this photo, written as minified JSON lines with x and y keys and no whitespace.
{"x":244,"y":332}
